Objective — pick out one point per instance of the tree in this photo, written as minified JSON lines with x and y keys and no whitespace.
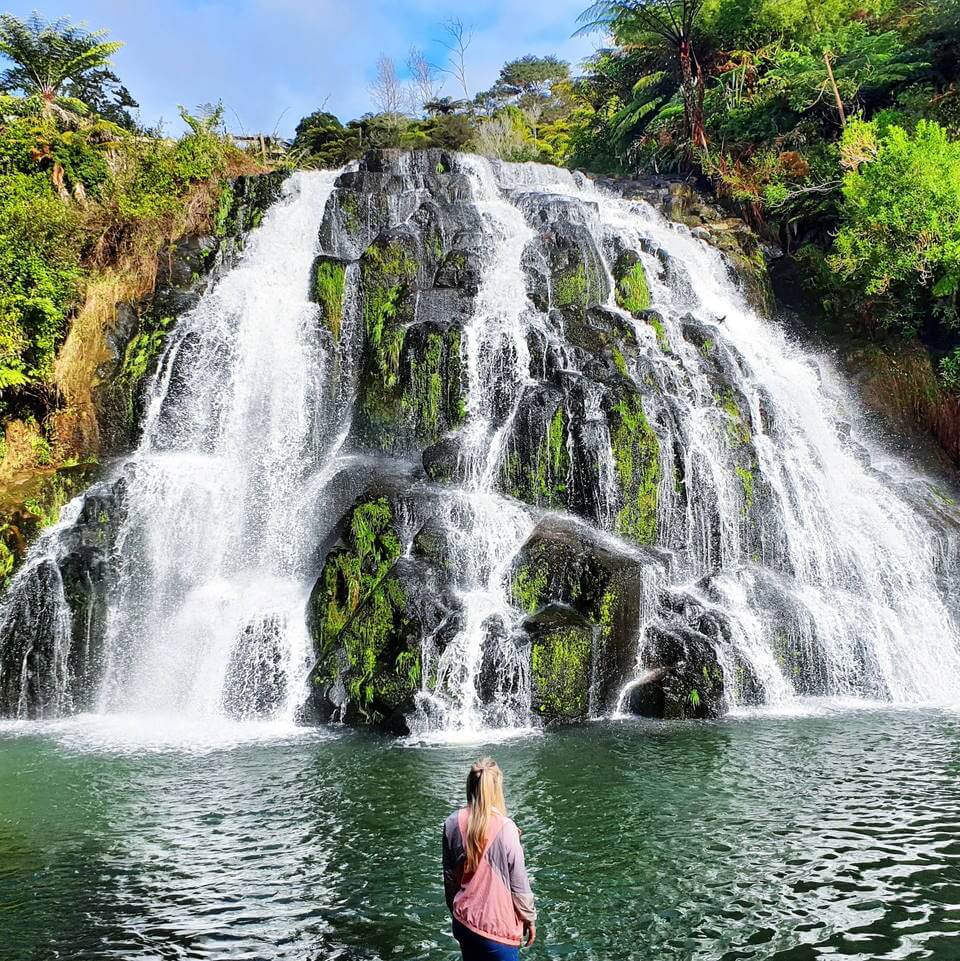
{"x":387,"y":93}
{"x":674,"y":22}
{"x":532,"y":77}
{"x":325,"y":140}
{"x":899,"y":240}
{"x":456,"y":42}
{"x":426,"y":84}
{"x":63,"y":65}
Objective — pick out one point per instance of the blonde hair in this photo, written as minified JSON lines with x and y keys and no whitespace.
{"x":484,"y":797}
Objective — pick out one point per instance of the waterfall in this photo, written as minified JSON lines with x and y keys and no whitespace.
{"x":858,"y":569}
{"x":780,"y":552}
{"x":208,"y":613}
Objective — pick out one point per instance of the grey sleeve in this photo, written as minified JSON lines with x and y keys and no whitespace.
{"x":520,"y":884}
{"x":452,"y":863}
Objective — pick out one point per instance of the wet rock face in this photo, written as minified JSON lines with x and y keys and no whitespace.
{"x":595,"y":432}
{"x":408,"y":223}
{"x":583,"y":600}
{"x":52,"y":627}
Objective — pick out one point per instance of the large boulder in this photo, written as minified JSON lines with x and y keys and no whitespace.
{"x":382,"y":590}
{"x":583,"y":599}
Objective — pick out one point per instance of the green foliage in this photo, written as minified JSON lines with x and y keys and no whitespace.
{"x":156,"y":174}
{"x":329,"y":281}
{"x":62,"y":66}
{"x":40,"y":276}
{"x":900,"y":237}
{"x":636,"y":455}
{"x":949,"y":371}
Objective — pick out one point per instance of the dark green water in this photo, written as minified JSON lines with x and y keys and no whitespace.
{"x":788,"y":839}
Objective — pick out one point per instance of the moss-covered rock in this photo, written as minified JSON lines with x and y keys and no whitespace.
{"x":537,"y":466}
{"x":636,"y":455}
{"x":28,"y":506}
{"x":632,"y":290}
{"x":369,"y":612}
{"x":412,"y":387}
{"x":683,"y":678}
{"x":50,"y":666}
{"x":329,"y":288}
{"x":572,"y":587}
{"x":560,"y":659}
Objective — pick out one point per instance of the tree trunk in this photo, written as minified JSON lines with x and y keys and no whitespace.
{"x":692,"y":97}
{"x":836,"y":91}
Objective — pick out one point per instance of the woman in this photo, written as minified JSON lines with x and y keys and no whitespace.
{"x":484,"y":876}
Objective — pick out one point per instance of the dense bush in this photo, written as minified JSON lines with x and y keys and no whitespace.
{"x":40,"y":275}
{"x":900,"y":235}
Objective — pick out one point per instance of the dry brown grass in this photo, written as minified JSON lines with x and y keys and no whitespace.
{"x":73,"y":426}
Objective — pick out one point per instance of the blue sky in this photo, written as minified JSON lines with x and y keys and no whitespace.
{"x":272,"y":62}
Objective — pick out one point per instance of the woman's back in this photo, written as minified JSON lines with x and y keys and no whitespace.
{"x":484,"y":874}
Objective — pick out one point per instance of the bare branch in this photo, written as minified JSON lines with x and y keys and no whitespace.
{"x":458,"y":38}
{"x":423,"y":74}
{"x":386,"y":91}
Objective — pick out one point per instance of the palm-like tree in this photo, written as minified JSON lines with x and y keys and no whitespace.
{"x":673,"y":21}
{"x":53,"y":60}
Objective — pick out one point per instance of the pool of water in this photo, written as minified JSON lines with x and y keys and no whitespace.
{"x":824,"y":836}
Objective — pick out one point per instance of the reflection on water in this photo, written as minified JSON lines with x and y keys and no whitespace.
{"x":759,"y":838}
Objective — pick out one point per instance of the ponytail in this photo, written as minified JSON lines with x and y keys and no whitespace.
{"x":484,"y":798}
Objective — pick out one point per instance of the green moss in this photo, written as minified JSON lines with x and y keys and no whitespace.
{"x":656,"y":322}
{"x":387,"y":275}
{"x":746,"y":482}
{"x":221,"y":216}
{"x":359,"y":609}
{"x":633,"y":292}
{"x":529,"y":588}
{"x":329,"y":282}
{"x":706,"y":348}
{"x":349,"y":209}
{"x":636,"y":454}
{"x":543,"y":478}
{"x":620,"y":362}
{"x":138,"y":358}
{"x":571,"y":289}
{"x":738,"y":428}
{"x":8,"y":555}
{"x":435,"y":396}
{"x":560,"y":667}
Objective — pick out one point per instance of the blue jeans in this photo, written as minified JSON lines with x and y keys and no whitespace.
{"x":475,"y":947}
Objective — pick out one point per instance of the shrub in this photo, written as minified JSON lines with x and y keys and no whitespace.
{"x":40,"y":275}
{"x":900,"y":232}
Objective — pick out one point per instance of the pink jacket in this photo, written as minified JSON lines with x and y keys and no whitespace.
{"x":495,"y":900}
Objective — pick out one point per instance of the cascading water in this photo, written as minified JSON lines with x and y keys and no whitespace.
{"x":854,"y":571}
{"x":489,"y":528}
{"x":763,"y":529}
{"x":208,"y":613}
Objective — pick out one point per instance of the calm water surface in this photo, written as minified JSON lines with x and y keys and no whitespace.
{"x":791,"y":839}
